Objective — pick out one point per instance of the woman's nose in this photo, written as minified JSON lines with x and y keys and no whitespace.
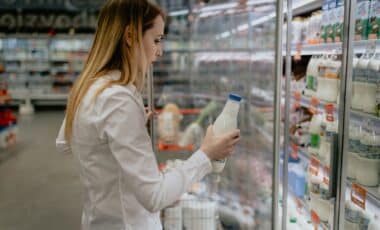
{"x":159,"y":52}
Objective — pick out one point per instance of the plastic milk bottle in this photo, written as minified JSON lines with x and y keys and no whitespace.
{"x":225,"y":122}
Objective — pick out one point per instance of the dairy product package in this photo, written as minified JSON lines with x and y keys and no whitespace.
{"x":369,"y":96}
{"x":226,"y":122}
{"x":339,"y":15}
{"x":360,"y":77}
{"x":312,"y":73}
{"x":374,"y":20}
{"x":313,"y":28}
{"x":332,"y":21}
{"x":361,"y":19}
{"x":169,"y":124}
{"x":325,"y":21}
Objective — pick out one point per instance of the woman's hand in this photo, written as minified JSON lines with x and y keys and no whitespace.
{"x":149,"y":113}
{"x":219,"y":147}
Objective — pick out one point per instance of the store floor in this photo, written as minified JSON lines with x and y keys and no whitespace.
{"x":39,"y":188}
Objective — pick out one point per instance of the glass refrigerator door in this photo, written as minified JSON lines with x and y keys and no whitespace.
{"x":361,"y":206}
{"x":313,"y":114}
{"x":232,"y":49}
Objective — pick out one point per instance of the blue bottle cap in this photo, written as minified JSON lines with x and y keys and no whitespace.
{"x":234,"y":97}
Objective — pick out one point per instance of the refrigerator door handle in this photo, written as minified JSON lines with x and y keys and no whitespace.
{"x":333,"y":176}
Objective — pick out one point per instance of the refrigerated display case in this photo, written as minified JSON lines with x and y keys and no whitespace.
{"x":232,"y":48}
{"x":330,"y":164}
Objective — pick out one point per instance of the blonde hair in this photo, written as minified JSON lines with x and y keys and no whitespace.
{"x":110,"y":50}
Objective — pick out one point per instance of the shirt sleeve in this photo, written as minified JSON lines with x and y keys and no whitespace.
{"x":123,"y":125}
{"x":61,"y":144}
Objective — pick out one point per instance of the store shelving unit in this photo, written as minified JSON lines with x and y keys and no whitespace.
{"x":41,"y":68}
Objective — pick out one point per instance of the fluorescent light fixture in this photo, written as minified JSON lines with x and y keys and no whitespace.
{"x":218,"y":7}
{"x":178,"y":13}
{"x":262,"y":19}
{"x":242,"y":27}
{"x":225,"y":34}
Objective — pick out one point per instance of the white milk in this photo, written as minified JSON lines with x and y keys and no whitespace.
{"x":226,"y":122}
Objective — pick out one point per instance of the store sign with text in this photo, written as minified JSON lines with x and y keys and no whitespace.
{"x":73,"y":5}
{"x":14,"y":21}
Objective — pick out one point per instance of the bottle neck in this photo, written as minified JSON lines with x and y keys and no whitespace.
{"x":231,"y":108}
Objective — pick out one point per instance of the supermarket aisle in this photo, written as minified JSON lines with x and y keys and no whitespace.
{"x":39,"y":188}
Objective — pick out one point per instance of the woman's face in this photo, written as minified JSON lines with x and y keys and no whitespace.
{"x":152,"y":40}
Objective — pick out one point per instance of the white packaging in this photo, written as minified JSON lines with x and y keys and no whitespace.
{"x":173,"y":218}
{"x":226,"y":122}
{"x":328,"y":89}
{"x":199,"y":215}
{"x":359,"y":85}
{"x":351,"y":165}
{"x":367,"y":172}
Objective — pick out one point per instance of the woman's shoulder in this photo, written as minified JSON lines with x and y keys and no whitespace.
{"x":116,"y":94}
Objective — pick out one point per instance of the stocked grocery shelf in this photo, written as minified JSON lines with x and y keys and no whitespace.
{"x":305,"y":102}
{"x":50,"y":99}
{"x":372,"y":194}
{"x":305,"y":211}
{"x":305,"y":49}
{"x":359,"y":47}
{"x":356,"y":115}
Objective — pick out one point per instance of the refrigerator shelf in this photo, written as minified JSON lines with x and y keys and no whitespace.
{"x":305,"y":102}
{"x":356,"y":115}
{"x":361,"y":115}
{"x":326,"y":48}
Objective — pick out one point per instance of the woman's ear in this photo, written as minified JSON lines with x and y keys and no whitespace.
{"x":128,"y":36}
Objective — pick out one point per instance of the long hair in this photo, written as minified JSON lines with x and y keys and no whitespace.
{"x":110,"y":50}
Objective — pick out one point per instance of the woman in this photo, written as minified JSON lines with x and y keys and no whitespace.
{"x":105,"y":125}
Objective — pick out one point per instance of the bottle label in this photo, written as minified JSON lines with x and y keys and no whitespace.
{"x":339,"y":23}
{"x":362,"y":14}
{"x":354,"y":145}
{"x":310,"y":82}
{"x":373,"y":151}
{"x":315,"y":140}
{"x":372,"y":76}
{"x":374,"y":20}
{"x":361,"y":75}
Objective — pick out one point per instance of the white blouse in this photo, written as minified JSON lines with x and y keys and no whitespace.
{"x":123,"y":187}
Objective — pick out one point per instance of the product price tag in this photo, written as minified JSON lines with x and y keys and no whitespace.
{"x":314,"y":105}
{"x":315,"y":217}
{"x":314,"y":166}
{"x":326,"y":175}
{"x":358,"y":195}
{"x":329,"y":110}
